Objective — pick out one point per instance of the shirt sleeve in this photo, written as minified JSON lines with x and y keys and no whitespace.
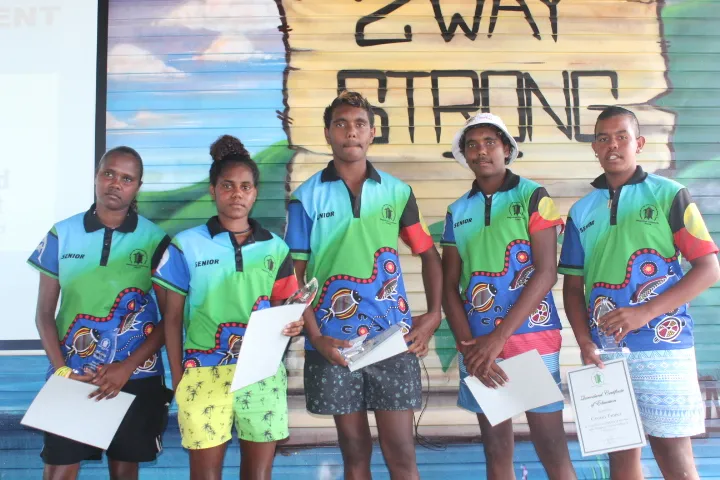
{"x":543,"y":212}
{"x":448,"y":237}
{"x":172,"y":271}
{"x":45,"y":256}
{"x":572,"y":255}
{"x":285,"y":282}
{"x":413,"y":230}
{"x":690,"y":233}
{"x":158,"y":254}
{"x":298,"y":230}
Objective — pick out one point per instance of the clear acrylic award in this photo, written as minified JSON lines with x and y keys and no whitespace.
{"x":608,"y":343}
{"x":105,"y":350}
{"x":304,"y":295}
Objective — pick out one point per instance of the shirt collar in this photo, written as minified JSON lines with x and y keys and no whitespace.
{"x":258,"y":233}
{"x":329,"y":173}
{"x":92,"y":223}
{"x":509,"y":182}
{"x":638,"y":176}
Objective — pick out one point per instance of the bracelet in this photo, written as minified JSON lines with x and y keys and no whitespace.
{"x":63,"y":372}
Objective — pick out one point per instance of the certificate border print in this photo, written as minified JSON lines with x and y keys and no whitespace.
{"x":641,"y":431}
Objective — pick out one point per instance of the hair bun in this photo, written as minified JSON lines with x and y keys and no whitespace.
{"x":227,"y":145}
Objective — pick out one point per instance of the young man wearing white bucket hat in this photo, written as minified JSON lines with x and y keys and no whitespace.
{"x":499,"y":265}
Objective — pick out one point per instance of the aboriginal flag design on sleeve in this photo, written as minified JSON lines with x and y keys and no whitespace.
{"x":689,"y":231}
{"x":413,"y":230}
{"x":543,"y":212}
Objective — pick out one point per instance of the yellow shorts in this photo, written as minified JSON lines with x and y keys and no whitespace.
{"x":207,"y":408}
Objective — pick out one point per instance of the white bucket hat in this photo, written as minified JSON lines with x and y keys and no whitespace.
{"x":481,"y":118}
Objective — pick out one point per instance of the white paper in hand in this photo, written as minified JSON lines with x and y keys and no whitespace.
{"x":264,"y":344}
{"x":531,"y":386}
{"x":51,"y":411}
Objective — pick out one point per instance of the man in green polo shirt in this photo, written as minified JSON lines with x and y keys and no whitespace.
{"x":623,"y":277}
{"x":343,"y":228}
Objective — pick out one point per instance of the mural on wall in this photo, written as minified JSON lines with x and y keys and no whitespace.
{"x":181,"y":73}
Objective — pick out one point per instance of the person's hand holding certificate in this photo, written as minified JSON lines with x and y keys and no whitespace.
{"x":606,"y":413}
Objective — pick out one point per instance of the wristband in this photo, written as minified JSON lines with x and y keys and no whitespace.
{"x":63,"y":372}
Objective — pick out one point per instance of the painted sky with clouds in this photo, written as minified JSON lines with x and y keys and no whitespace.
{"x":182,"y":73}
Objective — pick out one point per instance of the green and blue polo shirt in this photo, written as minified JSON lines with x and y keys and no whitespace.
{"x":105,"y":280}
{"x":350,"y":245}
{"x":492,"y":235}
{"x":223,"y":282}
{"x":626,"y":244}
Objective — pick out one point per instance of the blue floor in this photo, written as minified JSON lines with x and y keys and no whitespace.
{"x":20,"y":448}
{"x":22,"y":377}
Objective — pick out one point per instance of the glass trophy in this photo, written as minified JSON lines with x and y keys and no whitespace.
{"x":608,"y":344}
{"x":304,"y":295}
{"x":361,"y":347}
{"x":105,"y":350}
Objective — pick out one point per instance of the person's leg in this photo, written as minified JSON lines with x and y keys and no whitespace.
{"x":675,"y":458}
{"x":625,"y":465}
{"x":670,"y":405}
{"x":355,"y":444}
{"x":123,"y":470}
{"x":256,"y":460}
{"x":393,"y":390}
{"x":261,"y":420}
{"x":207,"y":463}
{"x":205,"y":417}
{"x":138,"y":438}
{"x":395,"y":430}
{"x":61,"y":472}
{"x":334,"y":390}
{"x":62,"y":457}
{"x":499,"y":445}
{"x":548,"y":436}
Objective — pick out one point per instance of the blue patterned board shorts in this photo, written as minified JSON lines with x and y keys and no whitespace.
{"x":547,"y":343}
{"x":392,"y":384}
{"x":667,"y":391}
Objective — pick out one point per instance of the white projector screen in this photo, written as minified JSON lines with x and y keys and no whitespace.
{"x":48,"y":121}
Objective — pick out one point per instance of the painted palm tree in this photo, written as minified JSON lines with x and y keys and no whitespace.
{"x":209,"y":410}
{"x":268,"y":436}
{"x":226,"y":386}
{"x":196,"y":445}
{"x":248,"y":394}
{"x":276,"y":391}
{"x":262,"y":384}
{"x":199,"y":384}
{"x":215,"y":372}
{"x":245,"y":403}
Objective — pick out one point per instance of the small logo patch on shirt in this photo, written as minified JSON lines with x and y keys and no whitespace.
{"x":648,"y":214}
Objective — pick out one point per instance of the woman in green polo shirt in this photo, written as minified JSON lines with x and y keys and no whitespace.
{"x":216,"y":275}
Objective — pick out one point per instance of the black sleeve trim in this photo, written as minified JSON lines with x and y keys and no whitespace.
{"x":411,"y":212}
{"x":535,"y":198}
{"x":286,"y":269}
{"x":571,"y":267}
{"x":677,"y":210}
{"x":159,"y":251}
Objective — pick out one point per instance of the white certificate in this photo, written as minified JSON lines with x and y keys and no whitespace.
{"x":52,"y":409}
{"x":606,"y":413}
{"x":264,"y":344}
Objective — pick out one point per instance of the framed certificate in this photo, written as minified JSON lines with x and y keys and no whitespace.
{"x":606,"y":413}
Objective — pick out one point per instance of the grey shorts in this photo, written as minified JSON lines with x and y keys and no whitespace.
{"x":393,"y":384}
